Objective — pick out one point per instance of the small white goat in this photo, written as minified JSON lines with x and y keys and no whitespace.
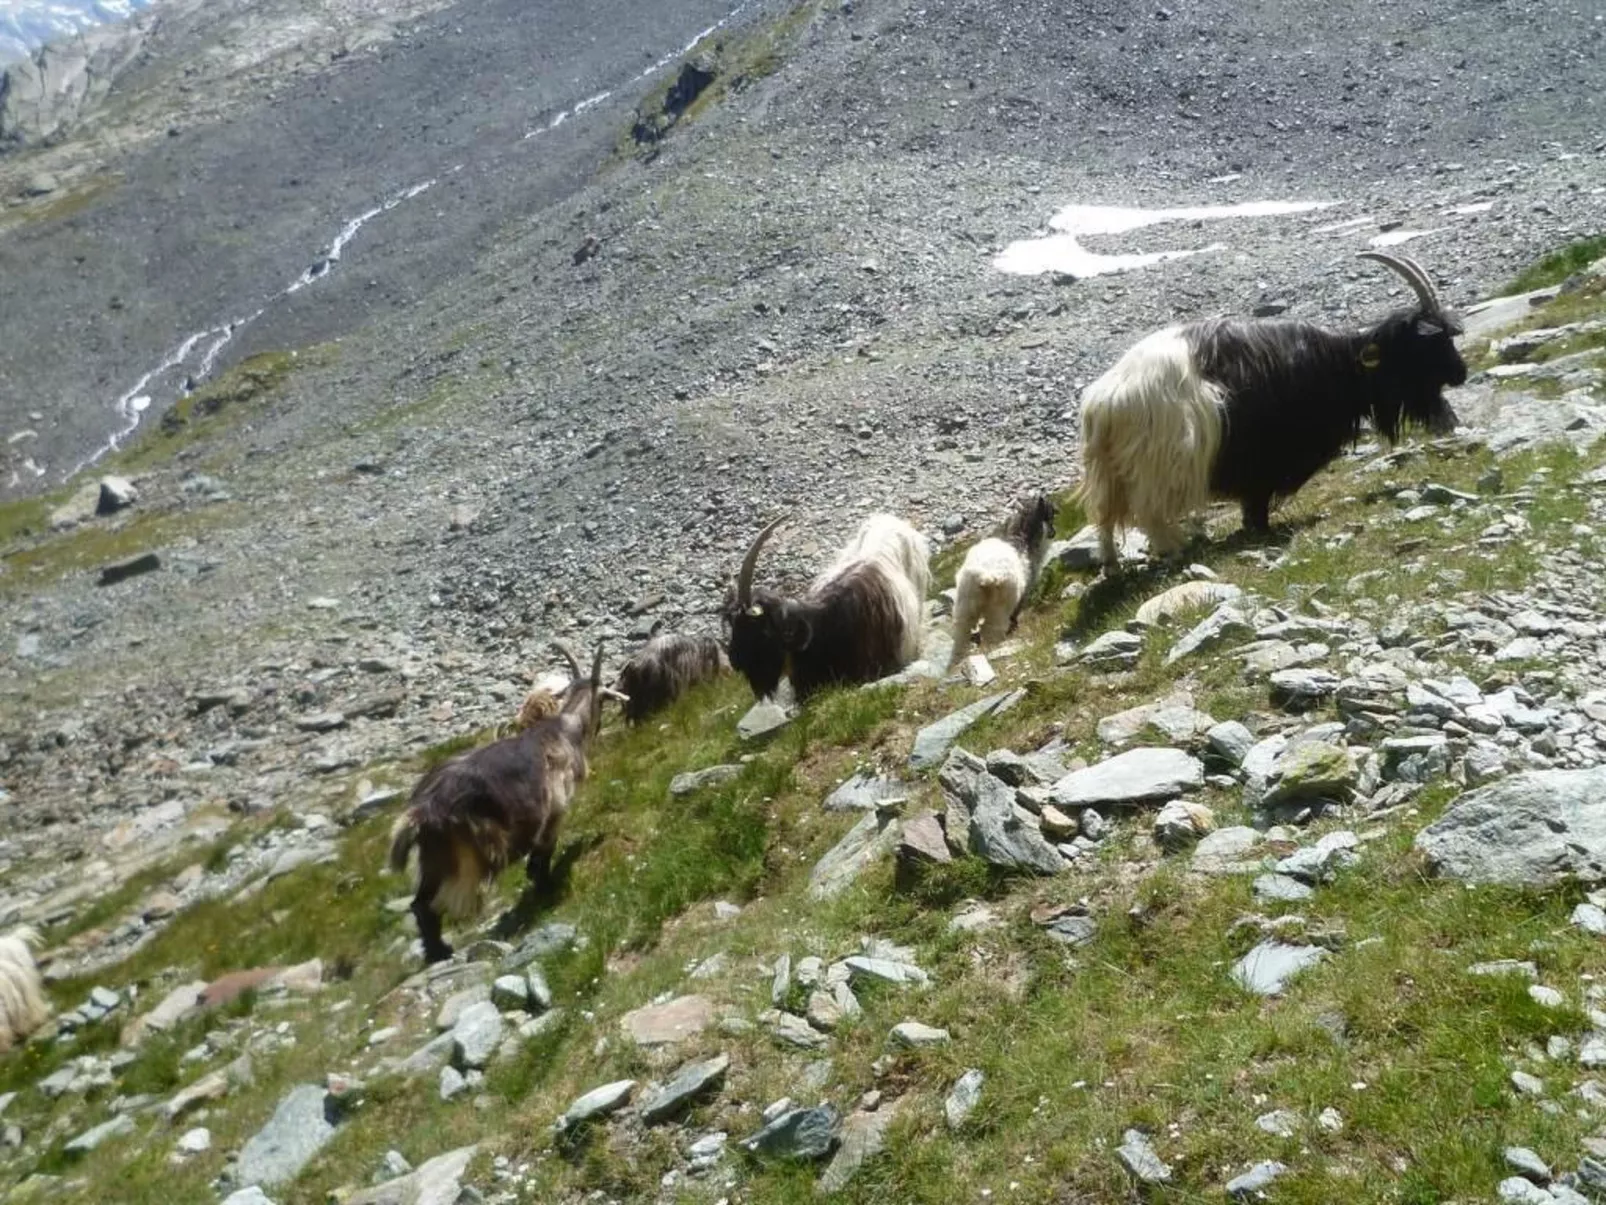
{"x":23,"y":1007}
{"x":997,"y":575}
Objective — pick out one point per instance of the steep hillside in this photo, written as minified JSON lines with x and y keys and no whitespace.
{"x":1254,"y":946}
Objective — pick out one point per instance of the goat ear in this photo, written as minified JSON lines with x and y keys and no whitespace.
{"x":796,"y":631}
{"x":1428,"y":328}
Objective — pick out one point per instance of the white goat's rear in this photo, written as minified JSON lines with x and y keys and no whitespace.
{"x":1151,"y":427}
{"x":23,"y":1007}
{"x":988,"y":588}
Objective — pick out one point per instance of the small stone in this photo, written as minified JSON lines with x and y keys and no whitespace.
{"x":91,"y":1138}
{"x":116,"y":493}
{"x":781,"y":981}
{"x":798,"y":1134}
{"x":193,"y":1142}
{"x":1230,"y":741}
{"x":1505,"y":966}
{"x":1266,"y":969}
{"x":1138,"y":1157}
{"x":1112,"y":651}
{"x":1515,"y":1190}
{"x":476,"y":1035}
{"x":913,"y":1034}
{"x":763,"y":718}
{"x":1547,"y":997}
{"x":668,"y":1023}
{"x":599,"y":1102}
{"x":862,"y":1135}
{"x":963,"y":1097}
{"x":1330,"y":1120}
{"x":1254,"y":1181}
{"x":1182,"y":822}
{"x":298,"y":1129}
{"x":1128,"y":779}
{"x":823,"y":1012}
{"x":690,"y":782}
{"x":1280,"y":1123}
{"x":510,"y":992}
{"x":1280,"y":888}
{"x":1523,"y":1161}
{"x":452,"y":1082}
{"x":1528,"y":1085}
{"x":795,"y":1031}
{"x":1590,"y":918}
{"x":687,"y":1084}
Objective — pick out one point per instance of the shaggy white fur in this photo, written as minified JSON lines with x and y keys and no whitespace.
{"x":988,"y":586}
{"x":23,"y":1007}
{"x":905,"y":556}
{"x":1151,"y":428}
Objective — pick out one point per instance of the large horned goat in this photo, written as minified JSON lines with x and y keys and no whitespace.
{"x":858,"y":621}
{"x":472,"y":816}
{"x":1252,"y":409}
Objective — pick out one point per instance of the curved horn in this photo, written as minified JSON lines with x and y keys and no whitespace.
{"x":596,"y":667}
{"x":1414,"y":275}
{"x":744,"y":579}
{"x":563,"y":650}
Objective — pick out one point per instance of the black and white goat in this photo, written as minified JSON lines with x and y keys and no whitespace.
{"x":1252,"y":409}
{"x":858,"y":621}
{"x":473,"y":815}
{"x":665,"y":668}
{"x":997,"y":575}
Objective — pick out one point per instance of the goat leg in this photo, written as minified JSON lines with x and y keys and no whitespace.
{"x":429,"y":925}
{"x":1257,"y":514}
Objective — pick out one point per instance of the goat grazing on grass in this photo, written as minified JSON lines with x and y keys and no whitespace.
{"x":23,"y":1007}
{"x":858,"y":621}
{"x":1252,"y":409}
{"x":997,"y":575}
{"x":473,"y":815}
{"x":665,"y":668}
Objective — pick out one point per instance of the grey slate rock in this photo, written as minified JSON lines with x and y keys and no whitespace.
{"x":1280,"y":888}
{"x":1227,"y":851}
{"x":1590,"y":918}
{"x":1135,"y":777}
{"x":1226,"y":623}
{"x":1256,"y":1180}
{"x":863,"y":793}
{"x":1266,"y":969}
{"x":1138,"y":1157}
{"x":691,"y":781}
{"x":764,"y":717}
{"x":1525,"y":1162}
{"x":1298,"y":689}
{"x":798,"y":1134}
{"x":963,"y":1097}
{"x":298,"y":1130}
{"x":686,"y":1085}
{"x":1230,"y":741}
{"x":1536,"y":829}
{"x":869,"y":840}
{"x":91,"y":1138}
{"x":1112,"y":651}
{"x":599,"y":1102}
{"x":476,"y":1034}
{"x":862,"y":1135}
{"x":551,"y":938}
{"x":436,"y":1181}
{"x":934,"y":740}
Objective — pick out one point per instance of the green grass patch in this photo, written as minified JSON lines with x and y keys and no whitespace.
{"x":1558,"y":265}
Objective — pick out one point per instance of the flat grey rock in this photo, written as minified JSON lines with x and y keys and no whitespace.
{"x":91,"y":1138}
{"x":437,"y":1181}
{"x":1230,"y":741}
{"x":1138,"y":1157}
{"x":1227,"y":851}
{"x":1128,"y":779}
{"x":1187,"y":596}
{"x":1267,"y":968}
{"x":862,"y":1135}
{"x":690,"y":781}
{"x":1280,"y":888}
{"x":298,"y":1130}
{"x":864,"y":792}
{"x":1536,"y":829}
{"x":914,"y":1034}
{"x":1223,"y":626}
{"x":476,"y":1035}
{"x":1254,"y":1181}
{"x":963,"y":1097}
{"x":764,"y":717}
{"x":868,"y":841}
{"x":798,"y":1134}
{"x":599,"y":1102}
{"x":934,"y":740}
{"x":686,"y":1085}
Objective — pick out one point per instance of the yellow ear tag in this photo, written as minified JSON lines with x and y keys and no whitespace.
{"x":755,"y":611}
{"x":1371,"y":356}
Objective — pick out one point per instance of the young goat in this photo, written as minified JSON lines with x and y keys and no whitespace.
{"x":858,"y":621}
{"x":473,"y":815}
{"x":1252,"y":409}
{"x":665,"y":668}
{"x":997,"y":575}
{"x":23,"y":1007}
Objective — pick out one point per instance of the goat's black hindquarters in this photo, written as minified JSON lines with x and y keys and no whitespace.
{"x":429,"y":926}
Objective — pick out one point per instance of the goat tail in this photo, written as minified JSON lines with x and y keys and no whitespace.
{"x":403,"y":836}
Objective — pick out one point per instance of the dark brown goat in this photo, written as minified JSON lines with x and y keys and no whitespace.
{"x":473,"y":815}
{"x":665,"y":668}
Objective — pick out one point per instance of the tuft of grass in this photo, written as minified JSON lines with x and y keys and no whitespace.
{"x":1558,"y":265}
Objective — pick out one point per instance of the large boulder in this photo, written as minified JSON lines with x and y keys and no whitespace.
{"x":1530,"y":830}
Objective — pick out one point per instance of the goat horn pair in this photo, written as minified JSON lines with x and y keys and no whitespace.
{"x":563,"y":650}
{"x":744,"y":579}
{"x":609,"y":692}
{"x":1414,"y":275}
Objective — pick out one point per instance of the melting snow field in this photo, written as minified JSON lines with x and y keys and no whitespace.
{"x":1063,"y":251}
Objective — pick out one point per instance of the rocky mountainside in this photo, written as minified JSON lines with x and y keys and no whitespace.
{"x":436,"y":332}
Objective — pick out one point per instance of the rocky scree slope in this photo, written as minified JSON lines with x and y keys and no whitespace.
{"x":1201,"y":881}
